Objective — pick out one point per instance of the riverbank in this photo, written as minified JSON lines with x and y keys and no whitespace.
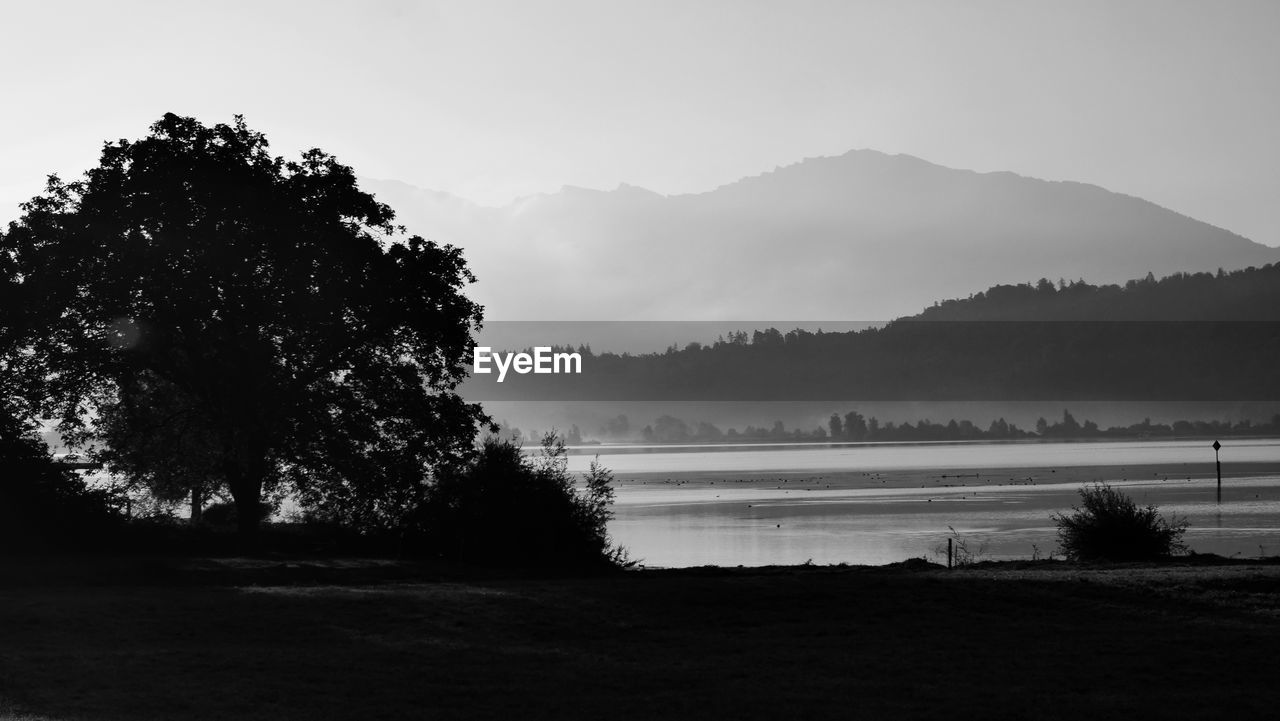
{"x":316,"y":639}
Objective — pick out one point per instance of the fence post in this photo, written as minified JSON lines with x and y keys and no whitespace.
{"x":948,"y":553}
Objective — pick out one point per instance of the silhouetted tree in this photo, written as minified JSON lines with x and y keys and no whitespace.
{"x":317,"y":347}
{"x":707,"y":432}
{"x":159,"y":442}
{"x":669,"y":429}
{"x":999,"y":428}
{"x":574,"y":436}
{"x":855,"y":426}
{"x":1069,"y":424}
{"x":778,"y":430}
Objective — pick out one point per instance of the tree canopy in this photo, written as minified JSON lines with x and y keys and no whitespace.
{"x":266,"y":312}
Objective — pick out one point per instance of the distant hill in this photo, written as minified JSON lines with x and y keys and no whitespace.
{"x":1251,"y":294}
{"x":862,"y":236}
{"x":1030,"y":342}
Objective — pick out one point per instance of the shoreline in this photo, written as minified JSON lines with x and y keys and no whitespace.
{"x":899,"y":478}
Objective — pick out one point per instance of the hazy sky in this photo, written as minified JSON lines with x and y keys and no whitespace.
{"x":1176,"y":102}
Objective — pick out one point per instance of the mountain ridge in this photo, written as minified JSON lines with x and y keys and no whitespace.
{"x":860,"y":235}
{"x":626,"y":187}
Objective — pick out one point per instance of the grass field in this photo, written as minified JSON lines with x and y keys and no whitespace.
{"x":269,"y":639}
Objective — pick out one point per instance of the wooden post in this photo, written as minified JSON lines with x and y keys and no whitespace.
{"x":1218,"y":461}
{"x":948,"y":553}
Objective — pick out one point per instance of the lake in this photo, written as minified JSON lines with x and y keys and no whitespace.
{"x":879,"y":503}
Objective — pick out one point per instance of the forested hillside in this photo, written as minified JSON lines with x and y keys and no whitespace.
{"x":1185,"y":337}
{"x":1249,"y":294}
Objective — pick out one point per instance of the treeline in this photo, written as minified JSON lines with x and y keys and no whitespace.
{"x":856,"y":427}
{"x":1240,"y":295}
{"x":1068,"y":427}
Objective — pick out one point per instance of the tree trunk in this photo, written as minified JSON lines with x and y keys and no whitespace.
{"x":248,"y":508}
{"x":197,"y":505}
{"x":245,"y":469}
{"x":246,"y":491}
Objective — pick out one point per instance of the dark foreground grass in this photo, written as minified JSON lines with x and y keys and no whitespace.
{"x":264,"y":640}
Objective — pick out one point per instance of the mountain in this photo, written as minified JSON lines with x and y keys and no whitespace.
{"x":862,"y":236}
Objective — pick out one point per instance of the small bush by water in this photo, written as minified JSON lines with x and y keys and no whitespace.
{"x":1108,"y":525}
{"x":506,"y":508}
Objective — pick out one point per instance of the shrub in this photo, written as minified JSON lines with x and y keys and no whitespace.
{"x":43,"y":506}
{"x":506,"y":508}
{"x":1108,"y":525}
{"x":225,"y":513}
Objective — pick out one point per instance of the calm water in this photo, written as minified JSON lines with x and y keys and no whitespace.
{"x":879,"y":503}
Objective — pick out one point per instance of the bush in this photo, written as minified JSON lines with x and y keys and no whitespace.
{"x":506,"y":508}
{"x":1108,"y":525}
{"x":43,"y":506}
{"x":225,"y":513}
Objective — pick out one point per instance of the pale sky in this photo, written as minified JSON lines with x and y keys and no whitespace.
{"x":1176,"y":102}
